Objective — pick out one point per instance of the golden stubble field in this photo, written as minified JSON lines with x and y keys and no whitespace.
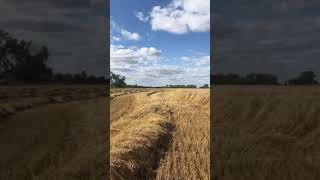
{"x":266,"y":133}
{"x":160,"y":134}
{"x":53,"y":132}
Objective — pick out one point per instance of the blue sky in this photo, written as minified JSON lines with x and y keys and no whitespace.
{"x":164,"y":42}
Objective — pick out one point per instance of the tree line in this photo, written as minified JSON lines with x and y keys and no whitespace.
{"x":304,"y":78}
{"x":119,"y":81}
{"x":78,"y":78}
{"x":247,"y":79}
{"x":186,"y":86}
{"x":21,"y":63}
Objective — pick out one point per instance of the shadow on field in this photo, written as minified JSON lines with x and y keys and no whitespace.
{"x":57,"y":141}
{"x":266,"y":133}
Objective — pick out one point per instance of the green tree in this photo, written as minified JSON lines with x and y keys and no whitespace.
{"x":308,"y":77}
{"x":305,"y":78}
{"x":116,"y":80}
{"x":205,"y":86}
{"x":32,"y":68}
{"x":18,"y":63}
{"x":6,"y":43}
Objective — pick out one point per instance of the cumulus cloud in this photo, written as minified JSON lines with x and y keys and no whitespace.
{"x":115,"y":38}
{"x":166,"y":70}
{"x":121,"y":56}
{"x":146,"y":66}
{"x":197,"y":60}
{"x":141,"y":17}
{"x":176,"y":74}
{"x":182,"y":16}
{"x":125,"y":34}
{"x":130,"y":35}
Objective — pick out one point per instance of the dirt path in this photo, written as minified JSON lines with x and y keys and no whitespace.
{"x":58,"y":141}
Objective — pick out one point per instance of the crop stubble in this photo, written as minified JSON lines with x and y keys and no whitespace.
{"x":266,"y":132}
{"x":160,"y":134}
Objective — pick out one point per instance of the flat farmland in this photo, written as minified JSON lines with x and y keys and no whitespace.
{"x":17,"y":98}
{"x":53,"y":132}
{"x":160,"y":134}
{"x":266,"y":132}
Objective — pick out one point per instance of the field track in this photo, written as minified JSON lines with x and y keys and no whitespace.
{"x":160,"y":134}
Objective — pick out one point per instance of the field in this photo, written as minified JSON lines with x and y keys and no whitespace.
{"x":266,"y":132}
{"x":160,"y":134}
{"x":53,"y":132}
{"x":260,"y":132}
{"x":18,"y":98}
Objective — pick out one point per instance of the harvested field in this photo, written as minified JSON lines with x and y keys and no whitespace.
{"x":160,"y":134}
{"x":266,"y":133}
{"x":18,"y":98}
{"x":115,"y":92}
{"x":51,"y":140}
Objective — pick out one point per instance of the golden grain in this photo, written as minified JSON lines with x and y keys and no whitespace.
{"x":266,"y":133}
{"x":160,"y":134}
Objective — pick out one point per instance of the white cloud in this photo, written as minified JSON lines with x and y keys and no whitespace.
{"x":129,"y":35}
{"x":115,"y":38}
{"x":120,"y":31}
{"x":146,"y":66}
{"x":164,"y":70}
{"x":204,"y":61}
{"x":197,"y":60}
{"x":141,"y":17}
{"x":129,"y":57}
{"x":182,"y":16}
{"x":162,"y":74}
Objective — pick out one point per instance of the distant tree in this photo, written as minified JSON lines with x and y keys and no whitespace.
{"x":136,"y":86}
{"x":77,"y":78}
{"x":63,"y":78}
{"x":92,"y":79}
{"x":5,"y":63}
{"x":101,"y":79}
{"x":305,"y":78}
{"x":249,"y":79}
{"x":116,"y":80}
{"x":226,"y":79}
{"x":191,"y":86}
{"x":259,"y":78}
{"x":83,"y":75}
{"x":32,"y":68}
{"x":19,"y":63}
{"x":205,"y":86}
{"x":181,"y":86}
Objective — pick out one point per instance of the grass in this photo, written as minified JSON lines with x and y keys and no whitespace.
{"x":64,"y":140}
{"x":160,"y":134}
{"x":266,"y":132}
